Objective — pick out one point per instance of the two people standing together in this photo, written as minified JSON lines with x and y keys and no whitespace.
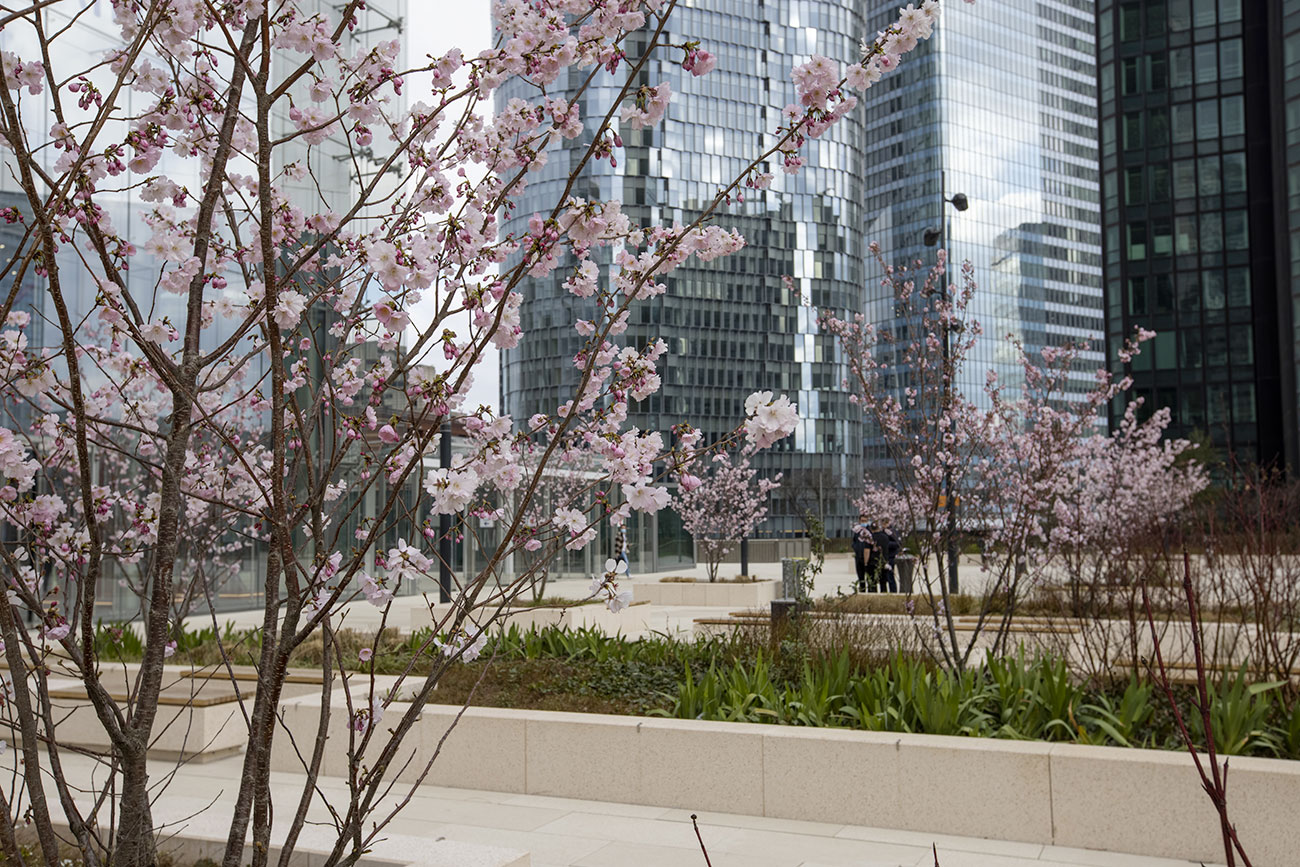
{"x":874,"y":550}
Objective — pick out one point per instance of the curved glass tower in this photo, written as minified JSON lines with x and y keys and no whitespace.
{"x":732,"y":326}
{"x":1001,"y":105}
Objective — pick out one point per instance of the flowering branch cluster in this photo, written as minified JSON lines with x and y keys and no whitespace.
{"x":724,"y":507}
{"x":1022,"y":461}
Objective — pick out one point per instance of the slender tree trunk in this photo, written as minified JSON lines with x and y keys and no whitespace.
{"x":253,"y":765}
{"x":30,"y":732}
{"x":134,"y":845}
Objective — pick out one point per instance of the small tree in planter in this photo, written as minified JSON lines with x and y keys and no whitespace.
{"x":723,"y":508}
{"x":993,"y":460}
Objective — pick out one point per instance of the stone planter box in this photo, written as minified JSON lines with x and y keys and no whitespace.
{"x":524,"y":618}
{"x":197,"y":720}
{"x":1140,"y":802}
{"x":767,"y":550}
{"x":754,"y":594}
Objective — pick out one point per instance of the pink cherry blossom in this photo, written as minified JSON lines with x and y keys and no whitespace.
{"x":723,"y":508}
{"x":258,"y":231}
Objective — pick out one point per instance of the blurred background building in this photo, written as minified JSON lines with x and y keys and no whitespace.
{"x":84,"y":35}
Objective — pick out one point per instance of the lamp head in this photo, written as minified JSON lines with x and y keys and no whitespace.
{"x":932,"y":236}
{"x":960,"y":202}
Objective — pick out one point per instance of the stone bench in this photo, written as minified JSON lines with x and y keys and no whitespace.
{"x":197,"y":720}
{"x":702,"y":593}
{"x":1180,"y":671}
{"x":297,"y":681}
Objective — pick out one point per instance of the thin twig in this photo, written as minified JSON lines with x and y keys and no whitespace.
{"x":698,"y":836}
{"x":1215,"y":781}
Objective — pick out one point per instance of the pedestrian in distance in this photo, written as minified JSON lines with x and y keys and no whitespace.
{"x":862,"y":541}
{"x":886,"y":546}
{"x":877,"y":553}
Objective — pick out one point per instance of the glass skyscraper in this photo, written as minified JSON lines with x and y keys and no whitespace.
{"x":1000,"y":105}
{"x":85,"y":32}
{"x":1201,"y":172}
{"x":732,"y":327}
{"x":1284,"y":66}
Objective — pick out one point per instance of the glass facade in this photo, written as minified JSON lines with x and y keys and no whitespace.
{"x":999,"y":105}
{"x":731,"y":326}
{"x":1284,"y":65}
{"x":1196,"y":239}
{"x":87,"y":32}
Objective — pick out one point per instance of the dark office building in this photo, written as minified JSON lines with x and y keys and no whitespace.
{"x":1200,"y":156}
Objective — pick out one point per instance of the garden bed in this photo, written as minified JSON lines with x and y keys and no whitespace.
{"x":824,"y":679}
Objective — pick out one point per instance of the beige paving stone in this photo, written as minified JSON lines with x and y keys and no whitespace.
{"x":925,"y":840}
{"x":644,"y":855}
{"x":831,"y":849}
{"x":956,"y":858}
{"x":545,"y":848}
{"x":603,"y":808}
{"x":631,"y":830}
{"x":1053,"y":856}
{"x":765,"y":823}
{"x":463,"y":794}
{"x":502,"y":817}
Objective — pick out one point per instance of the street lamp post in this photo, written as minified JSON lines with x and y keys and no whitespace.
{"x":931,"y":238}
{"x":444,"y":520}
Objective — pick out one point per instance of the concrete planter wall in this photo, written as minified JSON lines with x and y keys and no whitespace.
{"x":524,"y":618}
{"x":748,"y":595}
{"x":765,"y":551}
{"x":1141,"y":802}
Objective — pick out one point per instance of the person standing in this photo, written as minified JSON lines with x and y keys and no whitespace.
{"x":862,"y":542}
{"x":887,"y":546}
{"x":877,"y":551}
{"x":620,"y":547}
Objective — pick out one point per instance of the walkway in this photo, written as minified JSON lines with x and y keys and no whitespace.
{"x":637,"y":621}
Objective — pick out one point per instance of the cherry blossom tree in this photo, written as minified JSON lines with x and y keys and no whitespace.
{"x":1002,"y":464}
{"x":564,"y":487}
{"x":723,"y":507}
{"x":278,"y":356}
{"x":1117,"y":500}
{"x":1117,"y":489}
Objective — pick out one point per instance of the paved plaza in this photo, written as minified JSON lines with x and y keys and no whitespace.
{"x":563,"y":832}
{"x":678,"y":620}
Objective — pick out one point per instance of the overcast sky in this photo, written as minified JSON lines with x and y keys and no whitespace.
{"x":434,"y":27}
{"x":437,"y":25}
